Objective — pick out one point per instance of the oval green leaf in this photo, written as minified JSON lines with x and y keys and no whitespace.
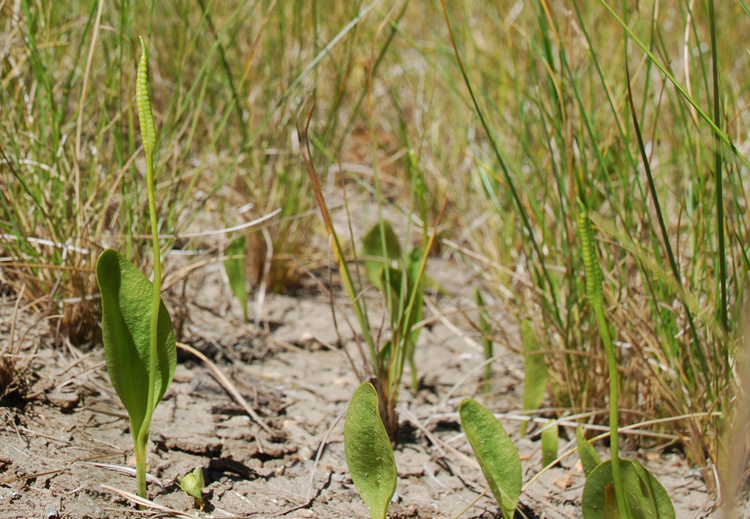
{"x":368,"y":451}
{"x":535,"y":372}
{"x":549,"y":443}
{"x":126,"y":317}
{"x":495,"y":452}
{"x":589,"y":457}
{"x":645,"y":497}
{"x":235,"y":267}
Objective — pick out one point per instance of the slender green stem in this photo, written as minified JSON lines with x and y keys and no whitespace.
{"x":148,"y":133}
{"x":142,"y":440}
{"x":614,"y":396}
{"x":156,"y":303}
{"x":140,"y":468}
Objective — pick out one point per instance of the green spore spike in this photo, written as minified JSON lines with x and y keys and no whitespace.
{"x":590,"y":260}
{"x":143,"y":101}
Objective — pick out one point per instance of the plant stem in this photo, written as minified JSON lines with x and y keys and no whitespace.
{"x":614,"y":395}
{"x":142,"y":440}
{"x":140,"y":468}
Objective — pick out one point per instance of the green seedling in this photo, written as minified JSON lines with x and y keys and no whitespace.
{"x":495,"y":452}
{"x":137,"y":331}
{"x":385,"y":267}
{"x":369,"y":454}
{"x":629,"y":479}
{"x":235,"y":268}
{"x":589,"y":457}
{"x":535,"y":372}
{"x":192,"y":484}
{"x":486,"y":329}
{"x":549,"y":443}
{"x":386,"y":362}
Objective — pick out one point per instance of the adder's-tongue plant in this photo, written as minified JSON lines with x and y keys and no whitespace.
{"x":637,"y":493}
{"x":137,"y":332}
{"x":595,"y":295}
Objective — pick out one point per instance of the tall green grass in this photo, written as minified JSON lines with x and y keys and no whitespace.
{"x":229,"y":77}
{"x":666,"y":178}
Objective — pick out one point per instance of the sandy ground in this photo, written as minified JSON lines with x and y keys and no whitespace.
{"x":299,"y":381}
